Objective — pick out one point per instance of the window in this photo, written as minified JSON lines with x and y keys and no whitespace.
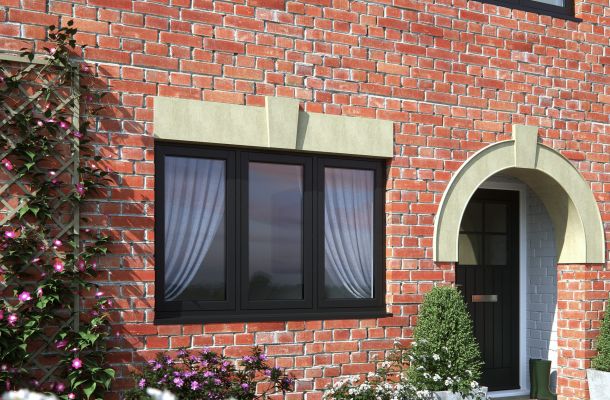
{"x":246,"y":235}
{"x":555,"y":8}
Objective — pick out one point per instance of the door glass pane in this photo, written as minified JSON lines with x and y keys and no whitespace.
{"x":348,"y":233}
{"x":495,"y":217}
{"x":495,"y":249}
{"x":469,"y":249}
{"x":275,"y":231}
{"x":472,"y":221}
{"x":195,"y":265}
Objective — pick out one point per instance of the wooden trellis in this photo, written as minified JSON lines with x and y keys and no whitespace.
{"x":65,"y":96}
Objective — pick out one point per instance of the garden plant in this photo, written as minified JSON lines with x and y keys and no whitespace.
{"x":53,"y":319}
{"x":207,"y":375}
{"x":444,"y":354}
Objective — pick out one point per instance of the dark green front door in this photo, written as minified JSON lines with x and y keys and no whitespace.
{"x":488,"y":275}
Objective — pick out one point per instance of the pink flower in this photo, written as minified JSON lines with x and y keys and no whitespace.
{"x":52,"y":50}
{"x":10,"y":234}
{"x":25,"y":296}
{"x":71,"y":396}
{"x":77,"y":134}
{"x":1,"y":315}
{"x":80,"y":188}
{"x":35,"y":260}
{"x":63,"y":125}
{"x":7,"y":164}
{"x":80,"y":264}
{"x":40,"y":123}
{"x":60,"y":344}
{"x":12,"y":319}
{"x":58,"y":266}
{"x":99,"y":293}
{"x":57,"y":243}
{"x":60,"y":387}
{"x":77,"y":363}
{"x":39,"y":292}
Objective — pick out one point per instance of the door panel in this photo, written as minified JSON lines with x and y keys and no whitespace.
{"x":488,"y":269}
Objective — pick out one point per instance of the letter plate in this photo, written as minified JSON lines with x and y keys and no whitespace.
{"x":484,"y":298}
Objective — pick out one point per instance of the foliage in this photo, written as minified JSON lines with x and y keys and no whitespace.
{"x":210,"y":376}
{"x":388,"y":382}
{"x":444,"y":354}
{"x":44,"y":265}
{"x":601,"y":361}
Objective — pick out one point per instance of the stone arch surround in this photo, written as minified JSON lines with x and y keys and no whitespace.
{"x":579,"y":232}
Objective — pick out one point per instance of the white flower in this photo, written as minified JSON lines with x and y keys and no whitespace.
{"x":474,"y":384}
{"x":436,"y":357}
{"x":436,"y":378}
{"x":156,"y":394}
{"x":25,"y":394}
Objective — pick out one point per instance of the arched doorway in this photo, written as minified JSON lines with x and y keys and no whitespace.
{"x":574,"y":241}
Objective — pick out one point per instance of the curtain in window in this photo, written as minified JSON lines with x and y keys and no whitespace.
{"x":348,"y":216}
{"x":194,"y":208}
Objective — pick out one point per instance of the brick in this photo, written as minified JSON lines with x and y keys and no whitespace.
{"x":223,"y":45}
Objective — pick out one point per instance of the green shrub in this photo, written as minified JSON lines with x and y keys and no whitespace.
{"x":602,"y":360}
{"x":444,"y":354}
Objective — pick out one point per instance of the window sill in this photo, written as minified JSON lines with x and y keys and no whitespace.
{"x":541,"y":11}
{"x":184,"y":318}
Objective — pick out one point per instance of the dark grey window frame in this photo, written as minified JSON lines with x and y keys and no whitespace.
{"x":565,"y":12}
{"x":236,"y":307}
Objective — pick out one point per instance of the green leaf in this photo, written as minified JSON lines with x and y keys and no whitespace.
{"x":90,"y":389}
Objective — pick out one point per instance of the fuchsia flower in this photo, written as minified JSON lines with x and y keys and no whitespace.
{"x":58,"y":266}
{"x":25,"y":296}
{"x":71,"y":396}
{"x":7,"y":164}
{"x":40,"y":123}
{"x":60,"y":344}
{"x":52,"y":50}
{"x":80,"y":188}
{"x":99,"y":294}
{"x":35,"y":260}
{"x":57,"y":243}
{"x":63,"y":125}
{"x":39,"y":292}
{"x":80,"y":264}
{"x":1,"y":315}
{"x":77,"y":363}
{"x":77,"y":134}
{"x":10,"y":234}
{"x":12,"y":319}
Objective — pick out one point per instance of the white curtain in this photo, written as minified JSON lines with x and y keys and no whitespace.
{"x":348,"y":216}
{"x":194,"y":208}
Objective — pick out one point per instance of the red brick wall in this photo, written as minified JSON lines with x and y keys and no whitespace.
{"x":452,"y":75}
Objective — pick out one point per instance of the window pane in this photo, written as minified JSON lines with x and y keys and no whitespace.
{"x":469,"y":249}
{"x":495,"y":217}
{"x":559,"y":3}
{"x":472,"y":221}
{"x":275,"y":209}
{"x":348,"y":233}
{"x":194,"y":229}
{"x":495,"y":249}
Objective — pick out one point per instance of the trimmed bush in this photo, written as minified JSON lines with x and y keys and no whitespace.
{"x":444,"y":354}
{"x":602,"y":360}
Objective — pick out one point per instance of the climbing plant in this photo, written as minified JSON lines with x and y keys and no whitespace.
{"x":53,"y":319}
